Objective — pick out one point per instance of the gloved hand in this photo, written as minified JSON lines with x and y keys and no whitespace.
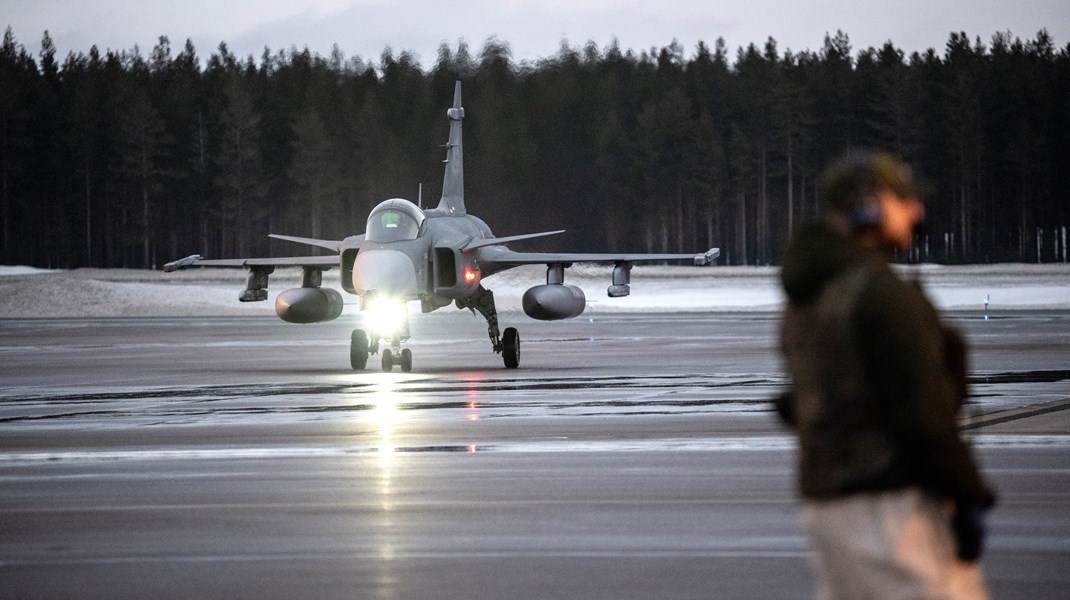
{"x":785,"y":406}
{"x":970,"y":526}
{"x":955,"y":357}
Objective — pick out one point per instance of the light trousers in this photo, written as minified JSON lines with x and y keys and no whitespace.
{"x":886,"y":545}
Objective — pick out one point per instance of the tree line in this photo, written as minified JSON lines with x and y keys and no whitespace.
{"x":120,"y":159}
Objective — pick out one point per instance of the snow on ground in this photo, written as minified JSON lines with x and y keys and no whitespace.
{"x":21,"y":270}
{"x":38,"y":293}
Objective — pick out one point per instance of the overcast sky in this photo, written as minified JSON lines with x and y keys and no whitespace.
{"x":532,"y":29}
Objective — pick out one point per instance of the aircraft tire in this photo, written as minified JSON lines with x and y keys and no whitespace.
{"x":511,"y":348}
{"x":388,"y":361}
{"x":406,"y":360}
{"x":358,"y":350}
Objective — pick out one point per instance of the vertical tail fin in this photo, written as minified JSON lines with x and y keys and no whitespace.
{"x":452,"y":201}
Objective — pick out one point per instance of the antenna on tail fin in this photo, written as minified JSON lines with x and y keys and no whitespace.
{"x":452,"y":202}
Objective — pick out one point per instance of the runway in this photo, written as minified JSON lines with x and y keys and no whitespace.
{"x":631,"y":456}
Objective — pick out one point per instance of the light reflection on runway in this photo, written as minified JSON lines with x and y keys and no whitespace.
{"x":390,"y":397}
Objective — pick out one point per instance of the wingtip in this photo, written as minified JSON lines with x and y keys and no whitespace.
{"x":181,"y":263}
{"x":708,"y":257}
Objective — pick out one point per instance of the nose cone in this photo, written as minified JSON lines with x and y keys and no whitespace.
{"x":388,"y":272}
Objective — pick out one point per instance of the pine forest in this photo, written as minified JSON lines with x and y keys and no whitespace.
{"x":128,"y":159}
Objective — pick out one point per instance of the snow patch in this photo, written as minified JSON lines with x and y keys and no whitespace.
{"x":11,"y":270}
{"x":214,"y":292}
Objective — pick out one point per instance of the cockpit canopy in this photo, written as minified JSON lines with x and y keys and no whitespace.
{"x":394,"y":220}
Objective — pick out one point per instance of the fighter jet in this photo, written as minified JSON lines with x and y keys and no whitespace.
{"x":438,"y":256}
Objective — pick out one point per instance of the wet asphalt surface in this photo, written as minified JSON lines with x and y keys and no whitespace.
{"x":631,"y":456}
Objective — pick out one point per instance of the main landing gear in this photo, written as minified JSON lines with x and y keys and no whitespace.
{"x":508,"y":345}
{"x":511,"y":348}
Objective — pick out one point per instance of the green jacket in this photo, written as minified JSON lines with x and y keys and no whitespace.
{"x":877,"y":379}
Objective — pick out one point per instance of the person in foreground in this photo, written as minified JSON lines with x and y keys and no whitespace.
{"x":893,"y":501}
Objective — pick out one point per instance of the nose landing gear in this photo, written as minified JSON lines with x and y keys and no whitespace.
{"x":360,"y":348}
{"x":402,"y":358}
{"x":362,"y":344}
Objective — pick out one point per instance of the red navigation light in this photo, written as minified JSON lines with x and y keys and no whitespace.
{"x":469,"y":275}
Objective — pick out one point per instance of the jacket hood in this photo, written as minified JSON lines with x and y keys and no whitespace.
{"x":815,"y":255}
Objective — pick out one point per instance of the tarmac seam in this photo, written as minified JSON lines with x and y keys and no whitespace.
{"x":1005,"y":416}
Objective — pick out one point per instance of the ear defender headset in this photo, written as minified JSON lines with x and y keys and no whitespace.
{"x":868,"y":214}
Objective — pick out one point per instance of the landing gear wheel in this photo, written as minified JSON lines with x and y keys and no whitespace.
{"x":388,"y":361}
{"x":511,"y":348}
{"x":358,"y":350}
{"x":406,"y":360}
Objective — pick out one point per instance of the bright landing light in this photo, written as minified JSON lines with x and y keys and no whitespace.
{"x":386,"y":316}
